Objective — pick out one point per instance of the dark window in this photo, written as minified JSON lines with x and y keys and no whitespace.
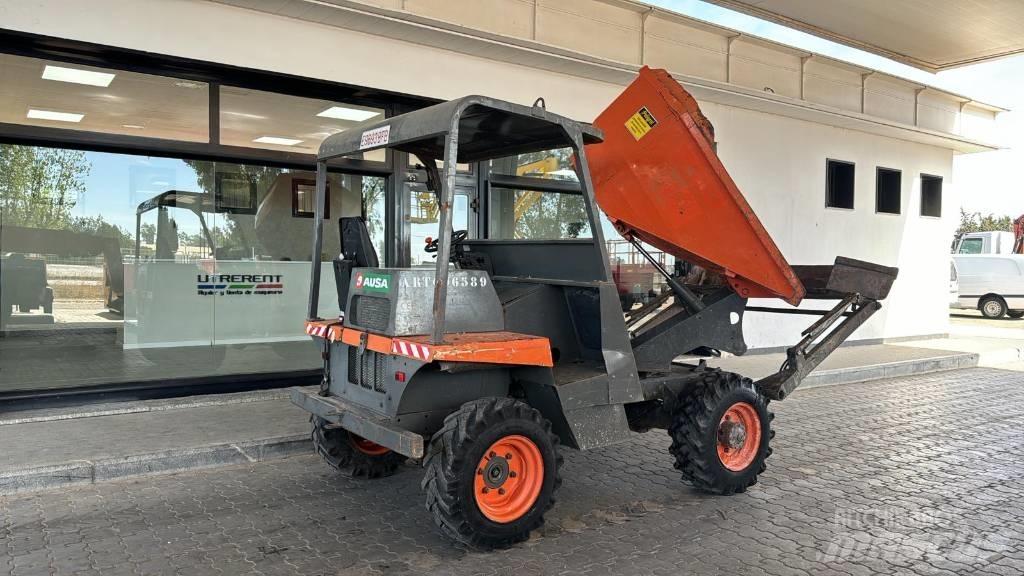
{"x":839,"y":184}
{"x":304,"y":199}
{"x":931,"y":195}
{"x":887,"y":191}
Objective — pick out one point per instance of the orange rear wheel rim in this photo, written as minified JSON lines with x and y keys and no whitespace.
{"x":508,"y":479}
{"x":367,"y":447}
{"x":739,"y":436}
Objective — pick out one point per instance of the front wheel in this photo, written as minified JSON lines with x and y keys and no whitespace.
{"x":721,"y":430}
{"x":492,"y":472}
{"x":1015,"y":314}
{"x":992,"y":307}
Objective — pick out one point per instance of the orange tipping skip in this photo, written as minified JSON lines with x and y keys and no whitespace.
{"x":658,"y":179}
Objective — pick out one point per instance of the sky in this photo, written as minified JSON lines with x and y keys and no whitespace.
{"x":986,"y":182}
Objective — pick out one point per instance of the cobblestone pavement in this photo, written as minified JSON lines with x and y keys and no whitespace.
{"x":917,"y":476}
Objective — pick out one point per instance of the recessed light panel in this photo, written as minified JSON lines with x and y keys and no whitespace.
{"x":277,"y":140}
{"x":57,"y":116}
{"x":350,"y":114}
{"x":76,"y":76}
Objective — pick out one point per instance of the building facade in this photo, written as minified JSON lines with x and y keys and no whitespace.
{"x":156,"y":164}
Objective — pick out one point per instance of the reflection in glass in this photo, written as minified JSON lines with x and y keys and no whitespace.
{"x":140,"y":268}
{"x":534,"y":215}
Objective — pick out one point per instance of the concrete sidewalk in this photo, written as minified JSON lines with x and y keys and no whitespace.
{"x":45,"y":449}
{"x":89,"y":444}
{"x":856,"y":363}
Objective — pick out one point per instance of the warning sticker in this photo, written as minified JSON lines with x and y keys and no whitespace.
{"x":640,"y":124}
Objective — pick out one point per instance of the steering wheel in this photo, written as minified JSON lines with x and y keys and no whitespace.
{"x":458,"y":237}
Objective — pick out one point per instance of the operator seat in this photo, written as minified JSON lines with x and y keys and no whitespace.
{"x":357,"y":251}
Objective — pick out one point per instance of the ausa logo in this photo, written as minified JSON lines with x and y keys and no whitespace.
{"x":370,"y":282}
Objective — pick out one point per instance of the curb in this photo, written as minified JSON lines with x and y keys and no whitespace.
{"x":902,"y":368}
{"x":82,"y":472}
{"x":137,"y":406}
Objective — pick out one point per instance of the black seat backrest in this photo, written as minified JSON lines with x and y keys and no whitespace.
{"x":355,"y":243}
{"x":357,"y":251}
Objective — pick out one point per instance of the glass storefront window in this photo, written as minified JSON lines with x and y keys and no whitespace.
{"x":534,"y":215}
{"x":257,"y":119}
{"x":54,"y":94}
{"x":134,"y":268}
{"x":554,"y":164}
{"x":425,"y":222}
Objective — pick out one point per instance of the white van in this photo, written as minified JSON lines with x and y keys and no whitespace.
{"x":993,"y":284}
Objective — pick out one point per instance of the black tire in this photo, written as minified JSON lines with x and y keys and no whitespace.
{"x":992,"y":307}
{"x":340,"y":450}
{"x":452,"y":466}
{"x":696,"y":427}
{"x":1015,"y":314}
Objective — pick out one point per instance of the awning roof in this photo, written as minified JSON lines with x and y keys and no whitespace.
{"x":932,"y":35}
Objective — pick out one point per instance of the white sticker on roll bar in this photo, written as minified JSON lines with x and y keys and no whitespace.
{"x":376,"y":137}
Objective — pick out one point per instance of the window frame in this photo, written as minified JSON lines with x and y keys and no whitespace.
{"x":828,"y":184}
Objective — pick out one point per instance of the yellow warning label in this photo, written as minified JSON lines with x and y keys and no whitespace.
{"x":640,"y":124}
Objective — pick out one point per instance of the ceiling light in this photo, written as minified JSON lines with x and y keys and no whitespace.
{"x":277,"y":140}
{"x":132,"y":126}
{"x":58,"y":116}
{"x":187,"y":84}
{"x":352,"y":114}
{"x":87,"y":77}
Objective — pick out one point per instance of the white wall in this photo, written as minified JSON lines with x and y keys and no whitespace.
{"x":778,"y":162}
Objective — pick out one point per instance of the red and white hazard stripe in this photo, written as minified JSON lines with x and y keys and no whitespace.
{"x":411,"y":349}
{"x":316,"y":330}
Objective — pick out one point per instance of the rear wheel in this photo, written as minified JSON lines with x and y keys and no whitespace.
{"x":492,"y":472}
{"x":1015,"y":314}
{"x":992,"y":307}
{"x":721,"y":430}
{"x":347,"y":452}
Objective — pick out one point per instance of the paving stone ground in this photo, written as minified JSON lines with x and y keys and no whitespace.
{"x":921,"y":475}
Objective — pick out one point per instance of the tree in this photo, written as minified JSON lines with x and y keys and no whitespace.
{"x":97,"y":226}
{"x":148,"y":233}
{"x":975,"y":222}
{"x":39,"y":187}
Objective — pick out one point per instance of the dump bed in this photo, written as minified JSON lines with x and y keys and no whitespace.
{"x":658,"y":179}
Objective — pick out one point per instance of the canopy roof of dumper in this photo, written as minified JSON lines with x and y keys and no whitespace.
{"x":487,"y":128}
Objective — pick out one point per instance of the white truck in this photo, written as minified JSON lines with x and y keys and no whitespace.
{"x":997,"y":242}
